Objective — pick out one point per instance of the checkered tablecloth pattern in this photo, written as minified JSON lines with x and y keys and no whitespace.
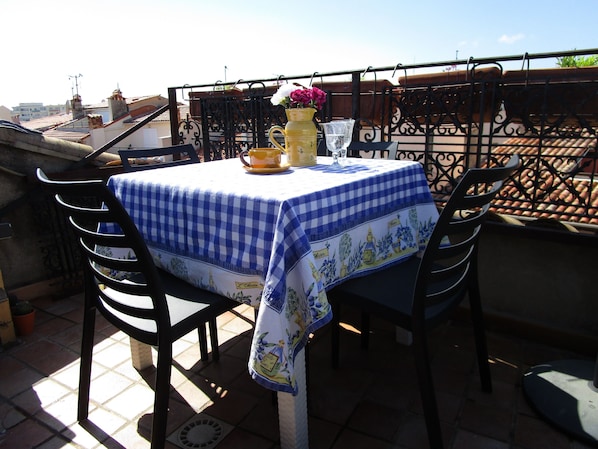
{"x":262,"y":227}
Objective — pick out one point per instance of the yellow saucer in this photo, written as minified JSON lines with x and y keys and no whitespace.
{"x":267,"y":171}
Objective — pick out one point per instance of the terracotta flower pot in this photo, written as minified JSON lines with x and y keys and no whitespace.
{"x":24,"y":323}
{"x":222,"y":96}
{"x":450,"y":97}
{"x":562,"y":95}
{"x":372,"y":99}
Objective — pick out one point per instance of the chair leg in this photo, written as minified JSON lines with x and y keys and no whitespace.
{"x":203,"y":342}
{"x":214,"y":339}
{"x":477,"y":318}
{"x":86,"y":362}
{"x":365,"y":330}
{"x":161,"y":397}
{"x":426,"y":389}
{"x":307,"y":375}
{"x":335,"y":333}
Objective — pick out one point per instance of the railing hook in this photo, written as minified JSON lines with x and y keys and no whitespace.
{"x":183,"y":92}
{"x":395,"y":70}
{"x":525,"y":59}
{"x":312,"y":78}
{"x":469,"y":61}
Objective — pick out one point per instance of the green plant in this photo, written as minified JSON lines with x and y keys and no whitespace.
{"x":577,"y":61}
{"x":21,"y":308}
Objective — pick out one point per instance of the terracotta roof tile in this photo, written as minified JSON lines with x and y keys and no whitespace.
{"x":551,"y":182}
{"x":72,"y":136}
{"x":44,"y":123}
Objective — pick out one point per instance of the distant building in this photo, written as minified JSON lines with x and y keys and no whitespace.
{"x":97,"y":124}
{"x":6,"y":114}
{"x":31,"y":111}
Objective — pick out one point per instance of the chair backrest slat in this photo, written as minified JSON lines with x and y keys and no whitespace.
{"x":450,"y":290}
{"x":371,"y":150}
{"x":126,"y":282}
{"x":153,"y":157}
{"x":451,"y":254}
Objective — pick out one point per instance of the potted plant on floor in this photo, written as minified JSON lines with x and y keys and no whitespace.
{"x":23,"y":316}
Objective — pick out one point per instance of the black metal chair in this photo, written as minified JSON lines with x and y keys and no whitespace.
{"x":420,"y":294}
{"x":152,"y":159}
{"x":386,"y":150}
{"x":148,"y":304}
{"x":145,"y":159}
{"x":370,"y":150}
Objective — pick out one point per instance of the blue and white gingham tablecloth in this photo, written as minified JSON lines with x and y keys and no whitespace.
{"x":279,"y":241}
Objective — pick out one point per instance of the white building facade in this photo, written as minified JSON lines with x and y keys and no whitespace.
{"x":30,"y":111}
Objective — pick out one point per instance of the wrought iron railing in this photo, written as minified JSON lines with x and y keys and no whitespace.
{"x":449,"y":116}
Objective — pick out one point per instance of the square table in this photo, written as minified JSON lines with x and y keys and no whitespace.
{"x":278,"y":242}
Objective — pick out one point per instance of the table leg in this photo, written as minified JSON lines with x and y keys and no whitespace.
{"x":292,"y":411}
{"x":141,"y":354}
{"x":403,"y":336}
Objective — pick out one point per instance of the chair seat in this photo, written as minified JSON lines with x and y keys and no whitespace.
{"x":188,"y":307}
{"x":383,"y":298}
{"x":183,"y":298}
{"x":380,"y":290}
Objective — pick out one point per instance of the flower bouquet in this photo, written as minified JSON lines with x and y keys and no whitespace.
{"x":300,"y":133}
{"x":296,"y":96}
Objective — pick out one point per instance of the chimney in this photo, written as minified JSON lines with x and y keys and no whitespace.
{"x":94,"y":121}
{"x":118,"y":105}
{"x":77,"y":107}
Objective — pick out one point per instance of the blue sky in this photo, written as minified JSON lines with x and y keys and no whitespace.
{"x":146,"y":46}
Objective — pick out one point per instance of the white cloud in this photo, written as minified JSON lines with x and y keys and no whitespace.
{"x":505,"y":39}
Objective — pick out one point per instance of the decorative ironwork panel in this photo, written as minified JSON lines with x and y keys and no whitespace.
{"x":58,"y":244}
{"x":190,"y":133}
{"x":448,"y":121}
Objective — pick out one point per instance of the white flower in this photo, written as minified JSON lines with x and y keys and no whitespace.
{"x":283,"y":93}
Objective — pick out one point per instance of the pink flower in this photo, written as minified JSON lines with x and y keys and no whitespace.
{"x":295,"y":96}
{"x":319,"y":97}
{"x":303,"y":96}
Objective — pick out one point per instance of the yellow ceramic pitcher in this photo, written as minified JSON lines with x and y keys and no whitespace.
{"x":300,"y":137}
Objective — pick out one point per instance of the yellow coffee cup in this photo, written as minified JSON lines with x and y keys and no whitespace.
{"x":261,"y":157}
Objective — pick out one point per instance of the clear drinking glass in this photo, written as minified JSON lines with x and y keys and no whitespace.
{"x":335,"y":133}
{"x":348,"y":137}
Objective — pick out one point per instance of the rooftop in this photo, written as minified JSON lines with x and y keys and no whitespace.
{"x":371,"y":401}
{"x":566,"y":165}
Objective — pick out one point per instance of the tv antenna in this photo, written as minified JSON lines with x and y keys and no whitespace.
{"x":76,"y":83}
